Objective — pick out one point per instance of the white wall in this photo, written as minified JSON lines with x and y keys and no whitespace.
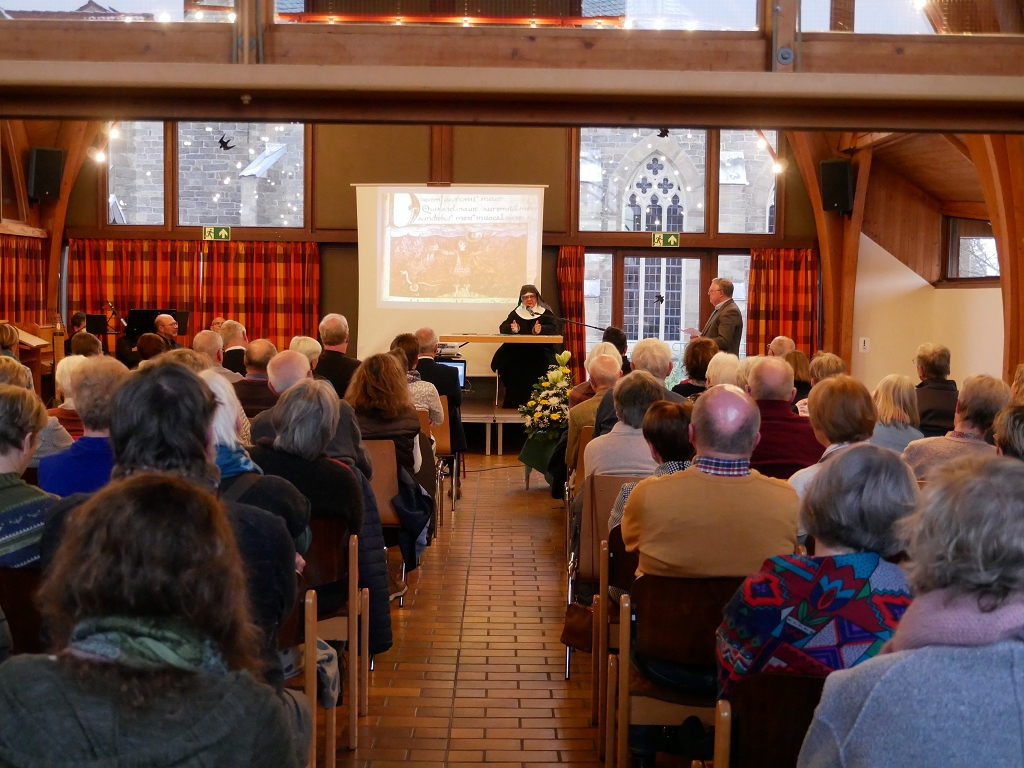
{"x":896,"y":309}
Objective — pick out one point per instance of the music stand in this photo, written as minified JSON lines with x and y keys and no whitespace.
{"x":182,"y":319}
{"x":96,"y":325}
{"x":142,"y":321}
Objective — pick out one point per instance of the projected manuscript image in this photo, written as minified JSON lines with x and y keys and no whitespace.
{"x":456,"y":246}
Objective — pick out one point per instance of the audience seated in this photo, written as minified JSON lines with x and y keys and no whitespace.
{"x":696,"y":359}
{"x":158,"y":660}
{"x":824,"y":365}
{"x":77,"y":325}
{"x":898,"y":419}
{"x":745,"y":368}
{"x":161,"y":420}
{"x":216,"y":323}
{"x":666,"y":429}
{"x":977,"y":406}
{"x":617,"y":338}
{"x":167,"y":329}
{"x":289,"y":368}
{"x":191,"y":359}
{"x":85,"y":344}
{"x":66,"y":413}
{"x":53,"y":438}
{"x":446,"y":381}
{"x":333,"y":364}
{"x":9,"y":340}
{"x":586,"y":390}
{"x":812,"y":615}
{"x":85,"y":466}
{"x":718,"y":517}
{"x":651,"y":355}
{"x":946,"y":689}
{"x":723,"y":368}
{"x":309,"y":347}
{"x":1017,"y":388}
{"x":787,"y":441}
{"x":241,"y":479}
{"x":1008,"y":432}
{"x":22,"y":507}
{"x":604,"y":370}
{"x":936,"y":394}
{"x":623,"y":450}
{"x":406,"y":348}
{"x":842,"y":413}
{"x":379,"y":395}
{"x":254,"y":392}
{"x":149,"y":346}
{"x":801,"y":374}
{"x":235,"y":340}
{"x":781,"y":346}
{"x":211,"y":346}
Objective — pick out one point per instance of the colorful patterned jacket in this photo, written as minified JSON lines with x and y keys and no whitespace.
{"x":810,"y":616}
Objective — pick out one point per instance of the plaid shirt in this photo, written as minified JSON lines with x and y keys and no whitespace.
{"x":668,"y":468}
{"x":727,"y":467}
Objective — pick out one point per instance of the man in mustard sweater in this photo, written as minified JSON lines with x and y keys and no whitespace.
{"x":719,"y":517}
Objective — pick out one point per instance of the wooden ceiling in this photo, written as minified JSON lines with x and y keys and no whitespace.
{"x":935,"y":164}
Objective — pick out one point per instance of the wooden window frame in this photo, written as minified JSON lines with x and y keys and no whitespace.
{"x":946,"y":258}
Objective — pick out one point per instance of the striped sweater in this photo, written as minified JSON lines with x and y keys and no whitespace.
{"x":22,"y":514}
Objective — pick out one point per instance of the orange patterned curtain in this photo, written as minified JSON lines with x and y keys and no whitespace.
{"x":783,"y":298}
{"x":272,"y":288}
{"x":23,"y":262}
{"x":571,"y":263}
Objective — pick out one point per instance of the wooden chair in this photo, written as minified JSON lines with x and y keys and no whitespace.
{"x":675,"y":620}
{"x":439,"y":465}
{"x":579,"y":472}
{"x":443,"y":448}
{"x":333,"y":557}
{"x":617,"y":569}
{"x":18,"y":587}
{"x":385,"y":487}
{"x":764,"y":723}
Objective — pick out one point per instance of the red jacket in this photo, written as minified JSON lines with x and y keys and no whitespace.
{"x":787,"y":441}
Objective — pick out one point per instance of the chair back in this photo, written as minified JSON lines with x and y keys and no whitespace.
{"x":424,"y":421}
{"x":385,"y":479}
{"x":290,"y":633}
{"x":622,"y":565}
{"x":770,"y":717}
{"x":443,"y":431}
{"x":599,"y":494}
{"x":676,"y":619}
{"x":18,"y":587}
{"x":581,"y":468}
{"x":327,"y":556}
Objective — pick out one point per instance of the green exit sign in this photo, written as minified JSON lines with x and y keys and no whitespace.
{"x":665,"y":239}
{"x":216,"y":233}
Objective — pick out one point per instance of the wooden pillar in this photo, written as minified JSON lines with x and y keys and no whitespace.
{"x":442,"y":140}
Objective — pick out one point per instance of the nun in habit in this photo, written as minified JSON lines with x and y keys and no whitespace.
{"x":520,"y":365}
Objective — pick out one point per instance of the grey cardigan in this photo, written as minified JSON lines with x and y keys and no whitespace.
{"x":47,"y":719}
{"x":933,"y":707}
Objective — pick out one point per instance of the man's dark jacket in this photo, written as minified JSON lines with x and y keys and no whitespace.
{"x":726,"y":327}
{"x":606,"y":418}
{"x":936,"y":403}
{"x":337,"y":368}
{"x":234,"y":360}
{"x":446,"y":380}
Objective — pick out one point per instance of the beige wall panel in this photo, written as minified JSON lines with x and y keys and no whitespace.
{"x":799,"y":213}
{"x":339,"y":286}
{"x":363,"y":154}
{"x":508,"y":155}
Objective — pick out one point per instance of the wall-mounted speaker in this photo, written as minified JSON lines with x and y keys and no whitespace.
{"x":45,"y":169}
{"x":837,"y":185}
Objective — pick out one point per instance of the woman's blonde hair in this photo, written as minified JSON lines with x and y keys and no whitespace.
{"x":896,"y":401}
{"x":379,"y":387}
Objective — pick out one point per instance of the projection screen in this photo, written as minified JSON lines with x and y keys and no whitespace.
{"x":452,"y":258}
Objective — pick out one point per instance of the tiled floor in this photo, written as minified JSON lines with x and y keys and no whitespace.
{"x":476,"y":674}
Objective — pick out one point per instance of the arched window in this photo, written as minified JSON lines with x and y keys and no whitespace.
{"x":654,"y":180}
{"x":654,"y":218}
{"x":632,"y":215}
{"x":674,"y":217}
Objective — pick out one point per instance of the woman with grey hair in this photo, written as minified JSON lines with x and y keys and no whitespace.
{"x":811,"y":615}
{"x":946,"y":689}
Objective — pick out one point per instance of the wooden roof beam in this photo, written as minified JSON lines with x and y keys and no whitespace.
{"x":851,"y":142}
{"x":965,"y":210}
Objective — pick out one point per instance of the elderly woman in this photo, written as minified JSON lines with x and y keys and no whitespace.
{"x":583,"y":392}
{"x":307,"y":346}
{"x":53,"y":438}
{"x":842,"y":413}
{"x":157,"y":661}
{"x":801,"y":373}
{"x":696,"y":359}
{"x":379,"y":394}
{"x":896,"y":403}
{"x":406,"y":349}
{"x":22,"y":507}
{"x":9,"y":339}
{"x":852,"y":510}
{"x":66,"y":413}
{"x":824,"y":365}
{"x":724,"y":368}
{"x":946,"y":689}
{"x":243,"y":480}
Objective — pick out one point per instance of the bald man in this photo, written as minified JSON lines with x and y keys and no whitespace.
{"x":781,"y":346}
{"x":719,"y":517}
{"x":787,"y":441}
{"x":210,"y":345}
{"x":167,"y":328}
{"x":254,"y":392}
{"x":604,"y":371}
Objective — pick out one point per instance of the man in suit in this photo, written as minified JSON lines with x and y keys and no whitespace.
{"x":77,"y":326}
{"x":725,"y":326}
{"x":446,"y":380}
{"x":254,"y":392}
{"x":233,"y":334}
{"x":334,"y":365}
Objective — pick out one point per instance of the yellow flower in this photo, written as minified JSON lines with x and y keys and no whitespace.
{"x":555,"y":416}
{"x":565,"y":370}
{"x":531,"y":403}
{"x":546,"y":384}
{"x":543,"y":402}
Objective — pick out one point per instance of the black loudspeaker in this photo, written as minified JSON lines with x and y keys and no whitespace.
{"x":837,"y":185}
{"x":45,"y":168}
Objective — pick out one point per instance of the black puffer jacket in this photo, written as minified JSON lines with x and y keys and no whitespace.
{"x":373,"y":570}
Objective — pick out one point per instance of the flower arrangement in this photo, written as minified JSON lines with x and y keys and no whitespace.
{"x":546,"y":415}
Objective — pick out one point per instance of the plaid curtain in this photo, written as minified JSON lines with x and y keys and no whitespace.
{"x":571,"y":265}
{"x":273,"y":289}
{"x":23,"y":263}
{"x":783,"y":298}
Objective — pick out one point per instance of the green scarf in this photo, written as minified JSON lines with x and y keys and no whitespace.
{"x":147,"y":644}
